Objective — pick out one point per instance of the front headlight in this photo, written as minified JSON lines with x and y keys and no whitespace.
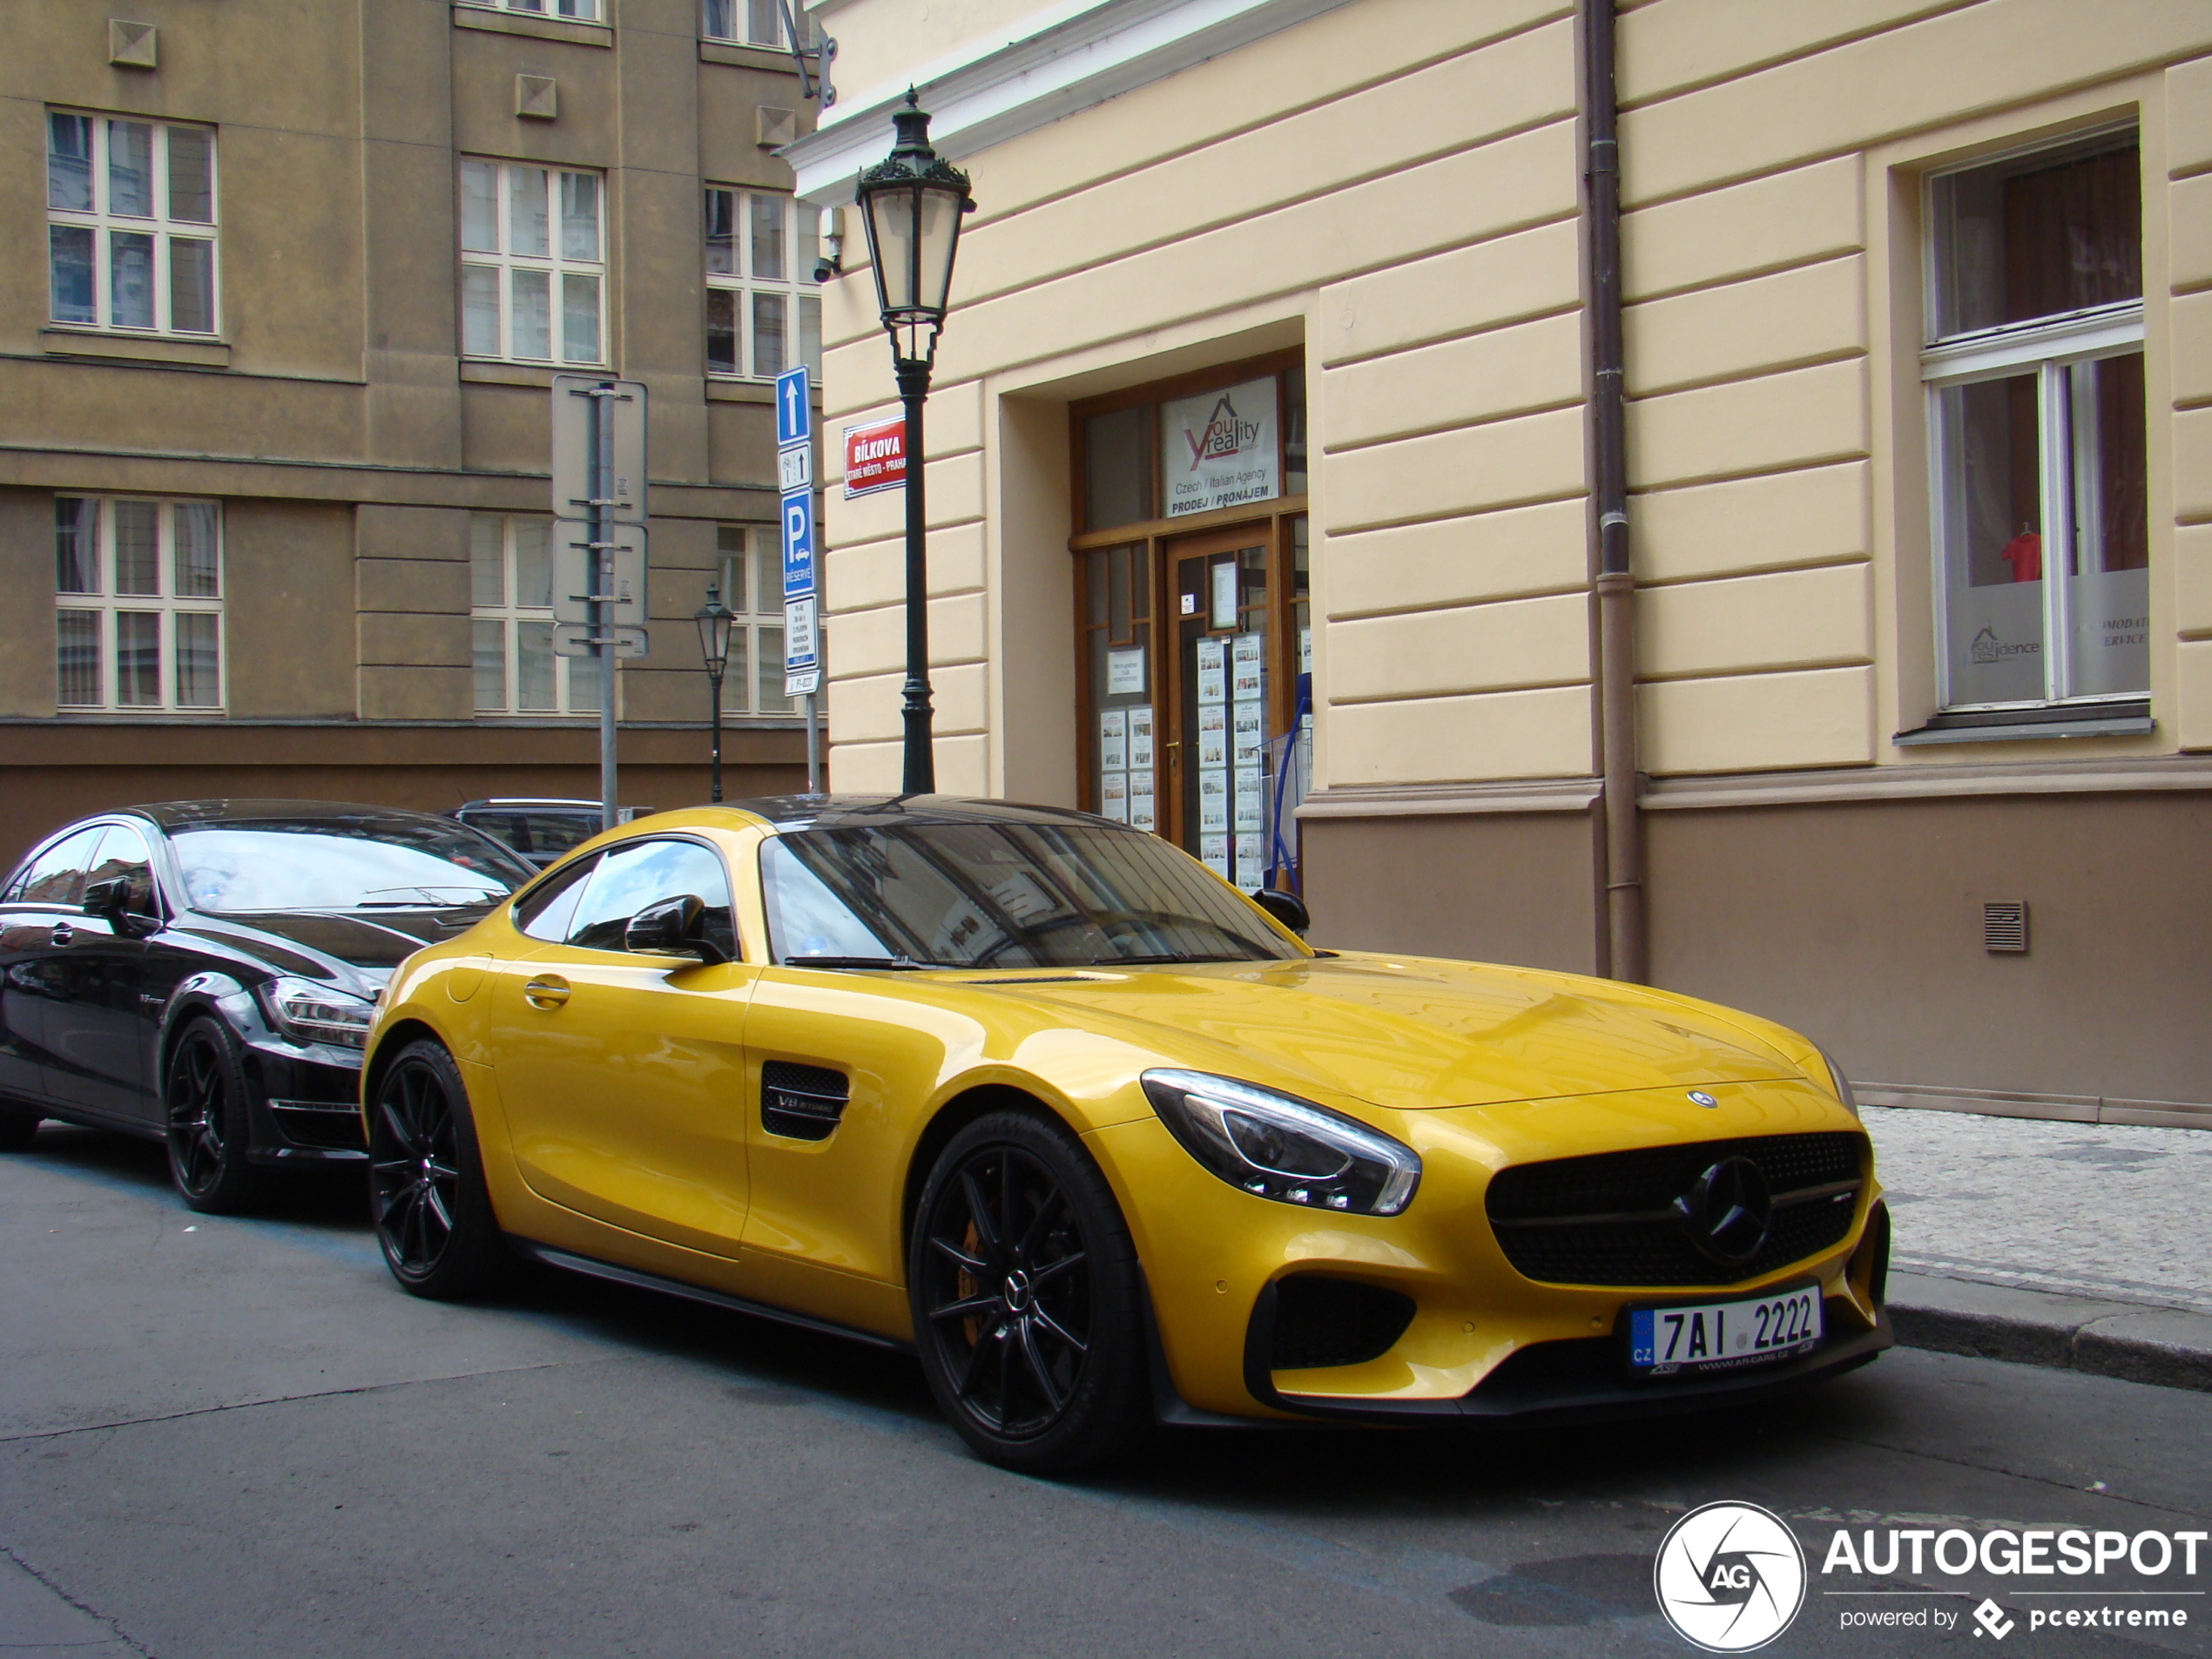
{"x":309,"y":1011}
{"x":1276,"y":1146}
{"x":1840,"y":1084}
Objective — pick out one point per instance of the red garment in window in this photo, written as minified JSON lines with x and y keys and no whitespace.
{"x":2025,"y":551}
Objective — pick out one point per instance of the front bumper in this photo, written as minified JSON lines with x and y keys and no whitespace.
{"x":306,"y":1102}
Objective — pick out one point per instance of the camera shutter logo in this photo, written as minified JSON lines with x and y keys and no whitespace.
{"x":1730,"y":1577}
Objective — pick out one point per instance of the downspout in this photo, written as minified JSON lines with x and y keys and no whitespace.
{"x":1615,"y":581}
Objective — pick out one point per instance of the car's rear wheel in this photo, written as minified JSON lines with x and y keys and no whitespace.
{"x":17,"y":1128}
{"x":434,"y":1216}
{"x":206,"y":1121}
{"x":1028,"y":1303}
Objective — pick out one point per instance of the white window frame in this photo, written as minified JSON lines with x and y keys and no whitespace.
{"x":749,"y":575}
{"x":166,"y":604}
{"x":555,"y":265}
{"x":511,"y":616}
{"x":802,"y":299}
{"x":754,"y":23}
{"x":2050,"y":346}
{"x":105,"y":225}
{"x":565,"y":10}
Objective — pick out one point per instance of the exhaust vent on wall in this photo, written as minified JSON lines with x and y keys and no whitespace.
{"x":2004,"y":926}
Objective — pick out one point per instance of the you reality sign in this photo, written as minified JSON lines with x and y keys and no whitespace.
{"x":1218,"y":448}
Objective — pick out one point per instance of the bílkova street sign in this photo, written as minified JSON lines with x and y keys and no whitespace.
{"x":875,"y":457}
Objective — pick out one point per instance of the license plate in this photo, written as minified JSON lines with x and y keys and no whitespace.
{"x":1725,"y":1335}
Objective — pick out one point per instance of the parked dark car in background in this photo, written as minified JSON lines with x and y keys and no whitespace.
{"x":540,"y":829}
{"x":203,"y":973}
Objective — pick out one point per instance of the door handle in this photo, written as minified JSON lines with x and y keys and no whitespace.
{"x":546,"y":991}
{"x":63,"y":934}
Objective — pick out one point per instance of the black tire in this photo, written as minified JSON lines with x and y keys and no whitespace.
{"x":1027,"y":1301}
{"x":17,"y":1128}
{"x":205,"y":1117}
{"x":433,"y":1214}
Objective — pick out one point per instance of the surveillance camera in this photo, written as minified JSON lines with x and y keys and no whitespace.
{"x":825,"y":268}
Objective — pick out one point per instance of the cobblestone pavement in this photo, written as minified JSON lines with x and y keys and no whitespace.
{"x":2096,"y":1210}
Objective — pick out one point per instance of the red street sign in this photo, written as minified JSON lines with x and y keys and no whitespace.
{"x":875,"y":457}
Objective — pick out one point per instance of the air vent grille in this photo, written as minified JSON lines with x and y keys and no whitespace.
{"x":802,"y":1101}
{"x":2004,"y":926}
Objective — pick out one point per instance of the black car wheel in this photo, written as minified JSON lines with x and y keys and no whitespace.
{"x":17,"y":1128}
{"x":434,"y":1216}
{"x":206,"y":1113}
{"x":1027,"y":1299}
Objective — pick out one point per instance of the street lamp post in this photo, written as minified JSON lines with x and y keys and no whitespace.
{"x":911,"y":203}
{"x":714,"y":619}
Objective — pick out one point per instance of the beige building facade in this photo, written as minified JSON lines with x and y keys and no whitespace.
{"x":1267,"y":399}
{"x":288,"y":288}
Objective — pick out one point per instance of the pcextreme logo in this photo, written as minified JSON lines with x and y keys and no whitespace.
{"x":1730,"y":1577}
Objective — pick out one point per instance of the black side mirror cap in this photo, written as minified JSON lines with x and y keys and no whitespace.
{"x":110,"y":899}
{"x":672,"y":927}
{"x":1286,"y":907}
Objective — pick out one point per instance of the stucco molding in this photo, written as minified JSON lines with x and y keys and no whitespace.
{"x":1067,"y":58}
{"x":2119,"y":775}
{"x":1443,"y":801}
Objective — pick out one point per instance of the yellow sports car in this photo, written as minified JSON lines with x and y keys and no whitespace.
{"x":1104,"y":1143}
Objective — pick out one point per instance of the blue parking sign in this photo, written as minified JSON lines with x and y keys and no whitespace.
{"x":799,"y":545}
{"x":794,"y":411}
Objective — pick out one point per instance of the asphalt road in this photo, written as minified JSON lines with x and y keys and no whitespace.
{"x":238,"y":1438}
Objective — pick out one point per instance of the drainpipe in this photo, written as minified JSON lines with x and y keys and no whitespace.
{"x":1615,"y":583}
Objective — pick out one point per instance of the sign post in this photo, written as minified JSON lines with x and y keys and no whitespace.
{"x":802,"y":642}
{"x":599,"y":477}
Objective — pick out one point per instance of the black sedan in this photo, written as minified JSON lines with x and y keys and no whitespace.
{"x":203,"y":972}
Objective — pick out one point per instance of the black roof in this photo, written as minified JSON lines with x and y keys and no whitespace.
{"x":171,"y":814}
{"x":855,"y":812}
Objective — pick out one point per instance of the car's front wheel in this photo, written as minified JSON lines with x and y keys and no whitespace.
{"x":434,"y":1216}
{"x":206,"y":1119}
{"x":1027,"y":1299}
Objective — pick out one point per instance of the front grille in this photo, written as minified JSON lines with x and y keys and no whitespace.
{"x":802,"y":1101}
{"x":1605,"y":1219}
{"x":1321,"y":1321}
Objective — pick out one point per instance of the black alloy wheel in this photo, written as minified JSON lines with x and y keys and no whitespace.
{"x":1027,"y":1299}
{"x":18,"y":1129}
{"x":205,"y":1116}
{"x":434,"y":1216}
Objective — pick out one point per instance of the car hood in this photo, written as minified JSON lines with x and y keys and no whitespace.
{"x":356,"y":948}
{"x":1408,"y":1034}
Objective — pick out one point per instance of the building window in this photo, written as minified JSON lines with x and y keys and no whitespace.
{"x":752,"y":570}
{"x":130,"y":224}
{"x":531,"y":263}
{"x":2034,"y":368}
{"x":511,"y":572}
{"x":762,"y":316}
{"x":138,"y":604}
{"x":753,"y":22}
{"x":577,"y":10}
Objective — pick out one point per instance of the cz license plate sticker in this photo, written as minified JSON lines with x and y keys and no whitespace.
{"x":1725,"y":1335}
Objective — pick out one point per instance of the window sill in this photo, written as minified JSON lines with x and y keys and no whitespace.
{"x":489,"y":374}
{"x":2020,"y":726}
{"x":521,"y":23}
{"x":134,"y":348}
{"x":722,"y":391}
{"x":742,"y":56}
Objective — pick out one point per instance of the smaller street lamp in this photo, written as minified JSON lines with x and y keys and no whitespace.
{"x":911,"y":203}
{"x":714,"y":619}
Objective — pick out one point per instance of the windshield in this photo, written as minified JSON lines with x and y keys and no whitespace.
{"x":367,"y":861}
{"x":1001,"y":895}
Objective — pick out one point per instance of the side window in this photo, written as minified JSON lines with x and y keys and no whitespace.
{"x":645,"y":873}
{"x":57,"y":876}
{"x":123,"y":852}
{"x":548,"y":912}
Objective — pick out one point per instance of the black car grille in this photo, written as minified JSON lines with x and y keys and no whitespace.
{"x":1606,"y":1219}
{"x":335,"y":1128}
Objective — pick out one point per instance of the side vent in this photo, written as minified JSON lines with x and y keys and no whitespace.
{"x":1320,"y":1322}
{"x":2004,"y":926}
{"x":802,"y":1101}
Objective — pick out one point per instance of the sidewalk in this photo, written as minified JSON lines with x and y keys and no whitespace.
{"x":2075,"y":1244}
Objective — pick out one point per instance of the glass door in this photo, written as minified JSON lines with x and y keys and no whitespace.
{"x":1218,"y":780}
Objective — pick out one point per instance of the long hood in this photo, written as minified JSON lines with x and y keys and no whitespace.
{"x":1409,"y":1034}
{"x":342,"y":944}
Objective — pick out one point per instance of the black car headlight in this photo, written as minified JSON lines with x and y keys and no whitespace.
{"x":1840,"y":1084}
{"x":309,"y":1011}
{"x":1276,"y":1146}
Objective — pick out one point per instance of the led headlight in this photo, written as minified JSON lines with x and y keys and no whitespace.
{"x":1276,"y":1146}
{"x":1840,"y":1084}
{"x":311,"y":1012}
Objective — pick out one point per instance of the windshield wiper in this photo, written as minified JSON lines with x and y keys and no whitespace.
{"x":903,"y":964}
{"x":1166,"y":956}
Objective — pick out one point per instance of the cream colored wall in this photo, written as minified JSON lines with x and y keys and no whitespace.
{"x":1399,"y":181}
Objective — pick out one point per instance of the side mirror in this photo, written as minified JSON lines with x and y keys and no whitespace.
{"x":674,"y":928}
{"x":110,"y":899}
{"x":1286,"y":907}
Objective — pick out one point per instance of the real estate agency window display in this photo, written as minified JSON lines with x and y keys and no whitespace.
{"x":1192,"y":616}
{"x":2034,"y":369}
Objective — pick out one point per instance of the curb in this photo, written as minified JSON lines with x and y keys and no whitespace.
{"x":2165,"y":1346}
